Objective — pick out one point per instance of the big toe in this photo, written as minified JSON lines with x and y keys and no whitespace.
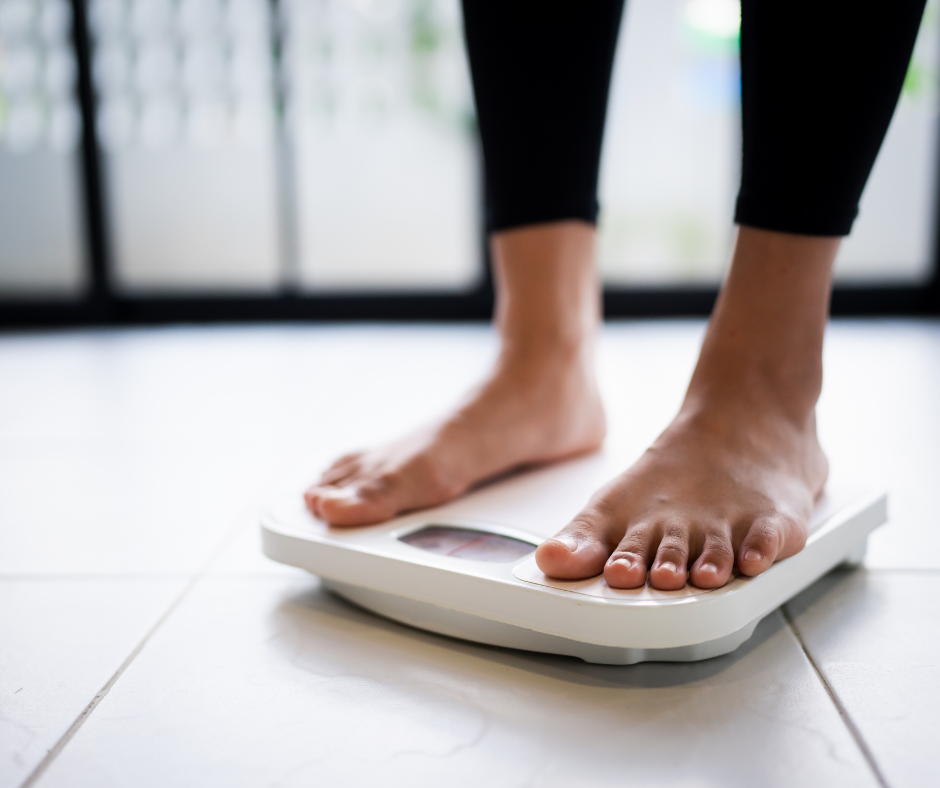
{"x":353,"y":505}
{"x":577,"y":551}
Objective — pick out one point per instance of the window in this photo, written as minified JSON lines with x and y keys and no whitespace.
{"x":288,"y":158}
{"x":185,"y":118}
{"x":385,"y":171}
{"x":41,"y":235}
{"x":671,"y":160}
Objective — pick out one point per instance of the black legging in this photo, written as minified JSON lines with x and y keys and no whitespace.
{"x":820,"y":81}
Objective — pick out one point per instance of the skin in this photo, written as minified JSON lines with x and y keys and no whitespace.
{"x":732,"y":481}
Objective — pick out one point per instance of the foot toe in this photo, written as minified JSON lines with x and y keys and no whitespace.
{"x":577,"y":551}
{"x":712,"y":569}
{"x":759,"y":549}
{"x":670,"y":569}
{"x":354,"y":505}
{"x":627,"y":566}
{"x":312,"y":499}
{"x":625,"y":570}
{"x":340,"y":473}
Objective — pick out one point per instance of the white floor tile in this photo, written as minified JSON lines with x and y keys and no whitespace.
{"x":875,"y":637}
{"x":60,"y":642}
{"x":243,"y":556}
{"x":128,"y":452}
{"x":272,"y":682}
{"x":879,"y":416}
{"x":119,"y":510}
{"x":234,"y":386}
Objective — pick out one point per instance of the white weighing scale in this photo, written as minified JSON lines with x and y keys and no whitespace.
{"x":467,"y":570}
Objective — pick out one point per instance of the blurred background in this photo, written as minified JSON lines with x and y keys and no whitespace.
{"x":318,"y":158}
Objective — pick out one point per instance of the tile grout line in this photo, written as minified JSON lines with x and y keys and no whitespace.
{"x":57,"y":748}
{"x":102,"y":693}
{"x":843,"y":712}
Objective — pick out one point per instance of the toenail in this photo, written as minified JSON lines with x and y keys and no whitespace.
{"x":567,"y":541}
{"x":343,"y":494}
{"x":669,"y":566}
{"x":752,"y":555}
{"x":625,"y":562}
{"x":709,"y":568}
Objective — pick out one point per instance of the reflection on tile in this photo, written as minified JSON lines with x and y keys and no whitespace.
{"x":61,"y":642}
{"x":874,"y":636}
{"x":273,"y":682}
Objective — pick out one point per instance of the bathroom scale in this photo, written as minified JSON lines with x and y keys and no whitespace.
{"x":467,"y":570}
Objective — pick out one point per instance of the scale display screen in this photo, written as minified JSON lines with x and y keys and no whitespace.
{"x":468,"y":543}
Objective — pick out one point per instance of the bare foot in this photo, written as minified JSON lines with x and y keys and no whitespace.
{"x":734,"y":478}
{"x":713,"y":487}
{"x":540,"y":403}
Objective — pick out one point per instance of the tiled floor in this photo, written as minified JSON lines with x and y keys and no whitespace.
{"x":145,"y":640}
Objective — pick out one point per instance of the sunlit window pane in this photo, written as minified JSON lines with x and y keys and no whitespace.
{"x":893,"y":239}
{"x":186,"y":117}
{"x":41,"y":241}
{"x":386,"y":171}
{"x":672,"y":149}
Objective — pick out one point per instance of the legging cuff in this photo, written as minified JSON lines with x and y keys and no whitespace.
{"x":804,"y":219}
{"x":522,"y":215}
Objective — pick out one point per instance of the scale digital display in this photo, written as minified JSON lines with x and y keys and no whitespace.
{"x":468,"y":543}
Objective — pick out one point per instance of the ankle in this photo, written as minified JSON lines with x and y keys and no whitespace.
{"x":548,"y":304}
{"x":763,"y":348}
{"x":751,"y":368}
{"x":546,"y":361}
{"x":547,"y":343}
{"x":743,"y":390}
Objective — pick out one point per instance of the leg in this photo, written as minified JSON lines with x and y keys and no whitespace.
{"x":737,"y":473}
{"x":540,"y":403}
{"x":819,"y":83}
{"x":540,"y":72}
{"x":734,"y":478}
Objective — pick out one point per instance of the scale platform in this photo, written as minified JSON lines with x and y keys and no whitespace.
{"x":467,"y":570}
